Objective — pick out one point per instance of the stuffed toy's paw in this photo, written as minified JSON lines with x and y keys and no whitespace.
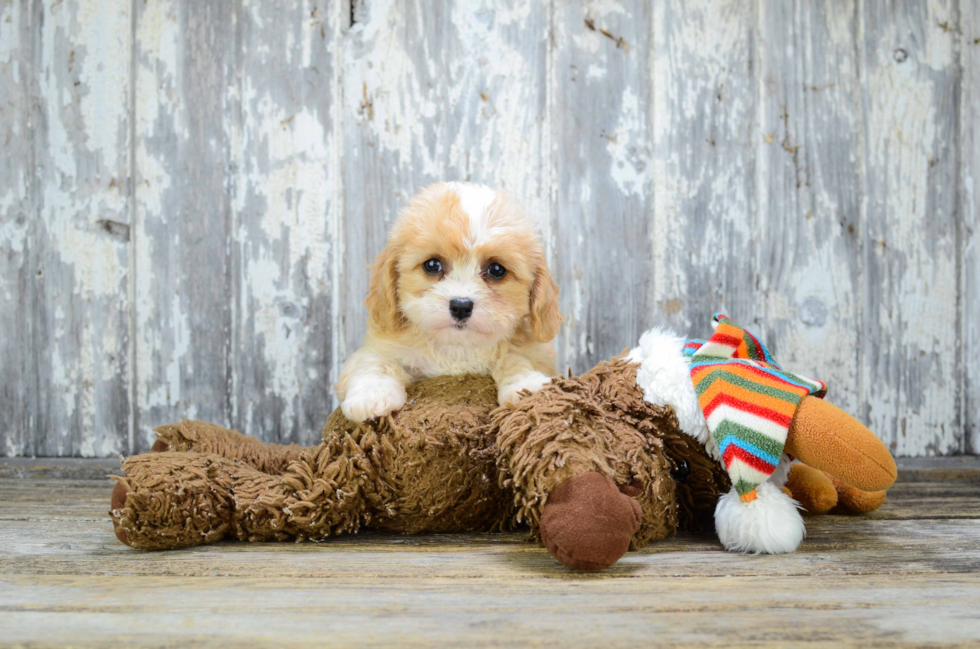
{"x":811,"y":488}
{"x":821,"y":493}
{"x":588,"y":523}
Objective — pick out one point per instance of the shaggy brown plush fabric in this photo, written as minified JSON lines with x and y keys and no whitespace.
{"x":202,"y":437}
{"x":431,"y":466}
{"x":599,"y":421}
{"x":449,"y":461}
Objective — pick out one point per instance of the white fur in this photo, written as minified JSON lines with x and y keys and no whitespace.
{"x":487,"y":326}
{"x":509,"y":392}
{"x":375,"y":398}
{"x":475,"y":201}
{"x":770,"y":524}
{"x":665,"y":380}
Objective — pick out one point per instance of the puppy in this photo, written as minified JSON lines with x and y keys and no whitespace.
{"x":461,"y":288}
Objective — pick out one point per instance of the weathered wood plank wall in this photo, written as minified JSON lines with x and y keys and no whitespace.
{"x":190,"y":193}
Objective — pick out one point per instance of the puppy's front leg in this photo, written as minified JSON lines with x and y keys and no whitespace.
{"x":522,"y":369}
{"x":371,"y":386}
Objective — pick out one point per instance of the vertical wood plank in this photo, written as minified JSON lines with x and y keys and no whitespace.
{"x":969,"y":207}
{"x":791,"y":163}
{"x":82,"y":144}
{"x":185,"y":75}
{"x":809,"y":158}
{"x":286,"y":210}
{"x":17,"y":405}
{"x":602,"y":142}
{"x":436,"y":91}
{"x":706,"y":128}
{"x":910,"y":337}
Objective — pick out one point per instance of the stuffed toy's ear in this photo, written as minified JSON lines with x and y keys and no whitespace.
{"x":382,"y":298}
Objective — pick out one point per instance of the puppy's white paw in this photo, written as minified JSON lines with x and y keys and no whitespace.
{"x":372,"y":399}
{"x":510,"y":392}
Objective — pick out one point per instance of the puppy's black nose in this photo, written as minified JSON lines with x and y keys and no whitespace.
{"x":461,"y":308}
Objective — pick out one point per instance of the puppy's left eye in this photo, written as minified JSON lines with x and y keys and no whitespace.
{"x":432,"y":266}
{"x":496,"y":271}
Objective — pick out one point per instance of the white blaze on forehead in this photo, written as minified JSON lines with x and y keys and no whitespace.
{"x":475,"y":202}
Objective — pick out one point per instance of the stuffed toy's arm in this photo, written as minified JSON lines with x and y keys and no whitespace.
{"x":203,"y":437}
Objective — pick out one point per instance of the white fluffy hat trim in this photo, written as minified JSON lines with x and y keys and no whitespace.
{"x":665,"y":379}
{"x":770,"y":524}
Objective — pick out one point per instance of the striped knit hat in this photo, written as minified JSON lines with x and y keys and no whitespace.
{"x":748,"y":401}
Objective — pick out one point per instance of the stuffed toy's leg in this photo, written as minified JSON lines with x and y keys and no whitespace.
{"x":584,"y":476}
{"x":821,"y":493}
{"x":204,"y":437}
{"x":170,"y":500}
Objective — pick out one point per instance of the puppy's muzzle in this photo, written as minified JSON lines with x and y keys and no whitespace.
{"x":460,"y":309}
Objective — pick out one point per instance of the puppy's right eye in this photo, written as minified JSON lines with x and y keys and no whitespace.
{"x":432,"y":267}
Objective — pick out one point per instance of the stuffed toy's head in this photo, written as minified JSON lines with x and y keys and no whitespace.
{"x":753,"y":417}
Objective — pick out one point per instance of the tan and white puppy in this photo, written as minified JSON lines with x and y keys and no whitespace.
{"x":462,"y":287}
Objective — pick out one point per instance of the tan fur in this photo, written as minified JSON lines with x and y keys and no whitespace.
{"x":545,"y":316}
{"x":411,"y":334}
{"x":382,"y":297}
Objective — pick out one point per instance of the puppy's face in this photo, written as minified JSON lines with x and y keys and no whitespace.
{"x":464,"y":267}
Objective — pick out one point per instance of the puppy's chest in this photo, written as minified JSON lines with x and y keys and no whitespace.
{"x":450,"y":361}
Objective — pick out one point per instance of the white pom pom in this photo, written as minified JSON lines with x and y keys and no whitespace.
{"x":769,"y":524}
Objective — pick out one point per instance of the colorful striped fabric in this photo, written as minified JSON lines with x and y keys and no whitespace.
{"x":748,"y":401}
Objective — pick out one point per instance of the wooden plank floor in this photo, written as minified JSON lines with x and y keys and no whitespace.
{"x":908,"y":574}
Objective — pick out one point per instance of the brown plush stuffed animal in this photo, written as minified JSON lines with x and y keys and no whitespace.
{"x":588,"y":463}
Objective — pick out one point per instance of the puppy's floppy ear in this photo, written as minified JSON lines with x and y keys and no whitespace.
{"x":382,"y":297}
{"x":545,"y":317}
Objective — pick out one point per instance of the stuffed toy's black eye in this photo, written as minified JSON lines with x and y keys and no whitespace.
{"x":496,"y":271}
{"x":682,"y":471}
{"x":432,"y":267}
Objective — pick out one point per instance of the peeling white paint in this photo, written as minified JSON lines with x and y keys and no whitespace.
{"x":631,"y":169}
{"x":752,"y":139}
{"x":909,"y":125}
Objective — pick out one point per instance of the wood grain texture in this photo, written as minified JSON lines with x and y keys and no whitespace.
{"x":190,"y":195}
{"x":909,"y":575}
{"x":706,"y":229}
{"x":185,"y":78}
{"x":81,"y":307}
{"x":911,"y":390}
{"x":602,"y":146}
{"x":284,"y":176}
{"x":810,"y":178}
{"x":17,"y":225}
{"x":969,"y":213}
{"x":436,"y":91}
